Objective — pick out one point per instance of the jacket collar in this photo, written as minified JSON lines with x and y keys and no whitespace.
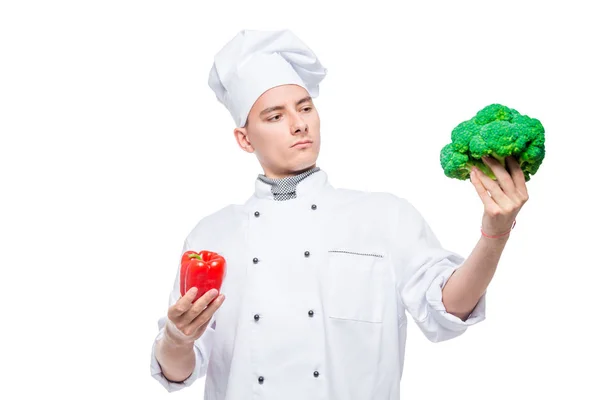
{"x":309,"y":185}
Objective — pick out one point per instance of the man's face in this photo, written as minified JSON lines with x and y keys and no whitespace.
{"x":281,"y":117}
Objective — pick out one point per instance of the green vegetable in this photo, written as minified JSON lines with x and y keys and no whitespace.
{"x":498,"y":131}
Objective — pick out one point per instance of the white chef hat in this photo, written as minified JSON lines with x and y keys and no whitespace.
{"x":255,"y":61}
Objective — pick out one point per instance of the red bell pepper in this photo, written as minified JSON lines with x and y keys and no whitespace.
{"x":204,"y":270}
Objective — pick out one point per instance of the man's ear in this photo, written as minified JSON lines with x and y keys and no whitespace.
{"x":241,"y":136}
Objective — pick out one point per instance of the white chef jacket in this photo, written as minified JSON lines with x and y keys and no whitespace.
{"x":317,"y":289}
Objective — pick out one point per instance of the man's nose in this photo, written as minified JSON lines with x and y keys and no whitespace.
{"x":298,"y":123}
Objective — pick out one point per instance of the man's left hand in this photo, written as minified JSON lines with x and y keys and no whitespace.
{"x":508,"y":194}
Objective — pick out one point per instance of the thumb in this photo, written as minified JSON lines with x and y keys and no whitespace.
{"x":175,"y":334}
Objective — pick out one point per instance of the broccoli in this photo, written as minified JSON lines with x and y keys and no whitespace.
{"x":498,"y":131}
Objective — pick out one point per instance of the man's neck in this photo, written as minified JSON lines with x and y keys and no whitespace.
{"x":281,"y":175}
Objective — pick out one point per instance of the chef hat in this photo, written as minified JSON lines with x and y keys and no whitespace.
{"x":255,"y":61}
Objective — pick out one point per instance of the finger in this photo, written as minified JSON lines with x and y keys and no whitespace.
{"x":504,"y":178}
{"x":199,"y":306}
{"x":492,"y":186}
{"x":481,"y":191}
{"x":183,"y":304}
{"x":518,"y":176}
{"x":207,"y":314}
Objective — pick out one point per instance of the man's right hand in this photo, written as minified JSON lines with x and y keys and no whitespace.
{"x":187,"y":321}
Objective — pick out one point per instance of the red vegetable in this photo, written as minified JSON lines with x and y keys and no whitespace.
{"x":204,"y":270}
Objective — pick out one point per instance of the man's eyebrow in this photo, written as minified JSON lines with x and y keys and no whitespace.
{"x":276,"y":108}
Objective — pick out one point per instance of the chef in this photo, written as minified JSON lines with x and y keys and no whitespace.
{"x":320,"y":280}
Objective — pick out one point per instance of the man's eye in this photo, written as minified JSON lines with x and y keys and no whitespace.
{"x":273,"y":118}
{"x":307,"y":108}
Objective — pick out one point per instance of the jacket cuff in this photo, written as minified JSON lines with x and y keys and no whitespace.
{"x":438,"y":310}
{"x":157,"y":374}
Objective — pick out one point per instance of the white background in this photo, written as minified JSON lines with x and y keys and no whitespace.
{"x":113,"y":147}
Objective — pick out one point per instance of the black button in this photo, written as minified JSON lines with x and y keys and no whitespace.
{"x":256,"y":317}
{"x":316,"y":374}
{"x":314,"y":206}
{"x":311,"y":313}
{"x":261,"y":379}
{"x":256,"y":213}
{"x":306,"y":253}
{"x":255,"y":260}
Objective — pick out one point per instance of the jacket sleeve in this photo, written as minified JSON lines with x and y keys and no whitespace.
{"x":202,"y":346}
{"x":422,"y":269}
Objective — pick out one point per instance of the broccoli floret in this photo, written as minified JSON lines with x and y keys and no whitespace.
{"x":497,"y":131}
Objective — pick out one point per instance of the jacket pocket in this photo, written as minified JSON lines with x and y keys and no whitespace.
{"x":355,"y":285}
